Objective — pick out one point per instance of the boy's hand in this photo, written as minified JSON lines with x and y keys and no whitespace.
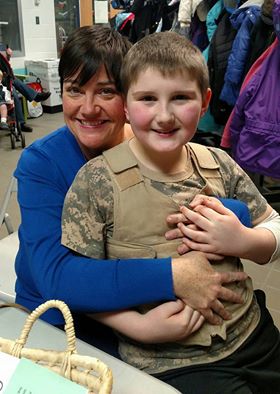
{"x":169,"y":322}
{"x":202,"y":199}
{"x":182,"y":222}
{"x":179,"y":217}
{"x":215,"y":230}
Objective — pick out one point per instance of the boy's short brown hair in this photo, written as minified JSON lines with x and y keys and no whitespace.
{"x":167,"y":52}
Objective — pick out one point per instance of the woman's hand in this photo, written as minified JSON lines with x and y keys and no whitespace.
{"x":200,"y":286}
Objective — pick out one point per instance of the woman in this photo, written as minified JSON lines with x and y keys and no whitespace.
{"x":94,"y":116}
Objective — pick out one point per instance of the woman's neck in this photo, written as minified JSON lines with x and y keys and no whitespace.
{"x":164,"y":162}
{"x":90,"y":153}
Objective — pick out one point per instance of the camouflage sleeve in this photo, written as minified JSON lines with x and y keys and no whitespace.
{"x":87,"y":211}
{"x":239,"y":185}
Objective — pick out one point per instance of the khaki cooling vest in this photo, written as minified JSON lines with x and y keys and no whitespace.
{"x":140,"y":213}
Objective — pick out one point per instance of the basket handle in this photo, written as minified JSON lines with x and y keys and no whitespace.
{"x":69,"y":326}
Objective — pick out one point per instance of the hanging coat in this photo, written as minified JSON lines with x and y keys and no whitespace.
{"x":219,"y":51}
{"x":255,"y":125}
{"x":243,"y":20}
{"x":225,"y":141}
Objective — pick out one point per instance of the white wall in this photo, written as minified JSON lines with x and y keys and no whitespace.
{"x":39,"y":40}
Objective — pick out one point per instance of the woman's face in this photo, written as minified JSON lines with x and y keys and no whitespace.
{"x":94,"y":113}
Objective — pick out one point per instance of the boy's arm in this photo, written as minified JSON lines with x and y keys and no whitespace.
{"x":168,"y":322}
{"x":239,"y":208}
{"x":215,"y":229}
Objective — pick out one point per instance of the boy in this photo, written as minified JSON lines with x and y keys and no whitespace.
{"x":165,"y":84}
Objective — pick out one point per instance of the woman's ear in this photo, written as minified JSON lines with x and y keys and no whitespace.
{"x":205,"y":102}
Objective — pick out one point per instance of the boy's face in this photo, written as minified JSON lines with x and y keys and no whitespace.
{"x":164,"y":110}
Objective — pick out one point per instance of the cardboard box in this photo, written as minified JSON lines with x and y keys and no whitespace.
{"x":47,"y":71}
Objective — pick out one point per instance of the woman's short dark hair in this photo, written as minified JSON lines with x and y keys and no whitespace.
{"x":89,"y":47}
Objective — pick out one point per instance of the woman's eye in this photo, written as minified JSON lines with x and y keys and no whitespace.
{"x":73,"y":90}
{"x":107,"y":92}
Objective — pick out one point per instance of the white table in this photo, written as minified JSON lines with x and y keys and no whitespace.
{"x":127,"y":380}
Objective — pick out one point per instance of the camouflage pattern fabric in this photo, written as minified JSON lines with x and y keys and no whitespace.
{"x":91,"y":214}
{"x":88,"y":214}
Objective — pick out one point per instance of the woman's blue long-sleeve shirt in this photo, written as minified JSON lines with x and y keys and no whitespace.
{"x":47,"y":270}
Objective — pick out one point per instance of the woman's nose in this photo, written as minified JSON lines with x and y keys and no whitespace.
{"x":90,"y":105}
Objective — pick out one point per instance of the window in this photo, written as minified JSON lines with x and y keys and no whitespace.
{"x":67,"y":19}
{"x":11,"y":31}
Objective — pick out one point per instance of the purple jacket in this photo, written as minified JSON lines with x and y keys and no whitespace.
{"x":255,"y":126}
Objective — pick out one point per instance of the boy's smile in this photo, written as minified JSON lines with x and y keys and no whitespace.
{"x":164,"y":111}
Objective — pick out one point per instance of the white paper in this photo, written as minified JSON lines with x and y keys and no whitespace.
{"x":8,"y":365}
{"x":101,"y":11}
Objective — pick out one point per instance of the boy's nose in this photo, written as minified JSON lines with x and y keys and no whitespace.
{"x":165,"y":116}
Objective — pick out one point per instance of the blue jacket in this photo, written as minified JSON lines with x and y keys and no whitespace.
{"x":243,"y":19}
{"x":46,"y":269}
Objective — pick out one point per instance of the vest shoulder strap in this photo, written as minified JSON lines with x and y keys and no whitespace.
{"x":203,"y":156}
{"x":123,"y":164}
{"x":120,"y":157}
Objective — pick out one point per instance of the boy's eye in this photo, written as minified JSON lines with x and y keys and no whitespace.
{"x":147,"y":98}
{"x":180,"y":97}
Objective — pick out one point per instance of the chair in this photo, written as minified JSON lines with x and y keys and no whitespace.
{"x":4,"y":216}
{"x":8,"y":248}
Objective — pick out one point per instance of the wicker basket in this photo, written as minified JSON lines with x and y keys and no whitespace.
{"x":86,"y":371}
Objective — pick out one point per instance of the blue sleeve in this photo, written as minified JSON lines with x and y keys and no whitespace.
{"x":48,"y":270}
{"x":240,"y":209}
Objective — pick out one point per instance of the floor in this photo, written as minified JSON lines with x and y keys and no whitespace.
{"x":265,"y":277}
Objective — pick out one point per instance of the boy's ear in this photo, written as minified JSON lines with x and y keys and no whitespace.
{"x":205,"y":102}
{"x":126,"y":112}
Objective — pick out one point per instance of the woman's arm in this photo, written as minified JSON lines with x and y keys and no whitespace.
{"x":48,"y":270}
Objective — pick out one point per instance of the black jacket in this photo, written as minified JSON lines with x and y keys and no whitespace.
{"x":219,"y":51}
